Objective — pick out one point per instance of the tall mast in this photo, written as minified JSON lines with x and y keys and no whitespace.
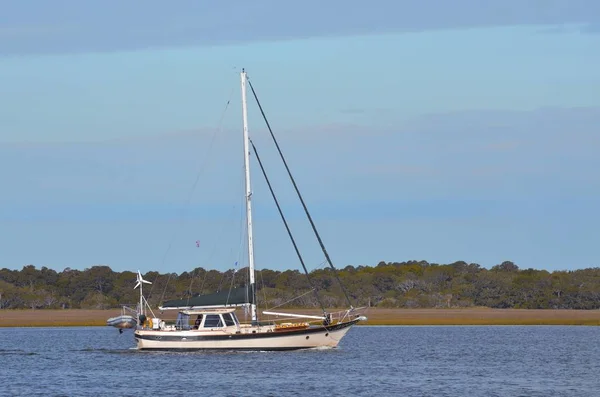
{"x":248,"y":199}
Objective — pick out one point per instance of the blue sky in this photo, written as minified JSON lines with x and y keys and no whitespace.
{"x":427,"y":130}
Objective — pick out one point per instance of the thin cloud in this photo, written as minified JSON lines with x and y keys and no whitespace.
{"x":400,"y":170}
{"x":67,"y":26}
{"x":593,"y":28}
{"x":440,"y":153}
{"x":24,"y":31}
{"x":518,"y":149}
{"x":502,"y":146}
{"x":353,"y":111}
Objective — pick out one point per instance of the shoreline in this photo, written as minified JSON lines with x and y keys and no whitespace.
{"x":376,"y":316}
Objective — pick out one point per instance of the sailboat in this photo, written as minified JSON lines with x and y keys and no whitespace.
{"x":210,"y":321}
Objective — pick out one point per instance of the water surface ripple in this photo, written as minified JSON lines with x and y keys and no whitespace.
{"x":371,"y":361}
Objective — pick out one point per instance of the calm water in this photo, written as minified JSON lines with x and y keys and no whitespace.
{"x":384,"y":361}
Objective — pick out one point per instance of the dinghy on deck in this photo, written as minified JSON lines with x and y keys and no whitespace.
{"x":124,"y":321}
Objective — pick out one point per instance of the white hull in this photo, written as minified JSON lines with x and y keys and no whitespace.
{"x":224,"y":340}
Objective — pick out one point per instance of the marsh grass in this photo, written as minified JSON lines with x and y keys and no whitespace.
{"x":55,"y":318}
{"x":470,"y":316}
{"x":482,"y":316}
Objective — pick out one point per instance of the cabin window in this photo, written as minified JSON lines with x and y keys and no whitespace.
{"x":213,"y":321}
{"x":228,"y":319}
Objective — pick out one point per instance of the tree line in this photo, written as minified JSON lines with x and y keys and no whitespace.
{"x":411,"y":284}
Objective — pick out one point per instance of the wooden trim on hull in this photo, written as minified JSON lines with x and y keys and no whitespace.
{"x":283,"y":340}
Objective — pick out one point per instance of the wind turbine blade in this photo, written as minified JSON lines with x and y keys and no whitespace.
{"x":136,"y":285}
{"x":145,"y":281}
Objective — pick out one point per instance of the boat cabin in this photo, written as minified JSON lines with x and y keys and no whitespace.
{"x":206,"y":319}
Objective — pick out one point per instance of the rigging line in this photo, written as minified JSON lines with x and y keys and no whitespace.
{"x":221,"y":281}
{"x":203,"y":282}
{"x":202,"y":168}
{"x":231,"y":286}
{"x":242,"y":253}
{"x":189,"y":294}
{"x":232,"y":220}
{"x":319,"y":266}
{"x":191,"y":284}
{"x":286,"y":226}
{"x":293,"y":299}
{"x":264,"y":289}
{"x":300,"y":196}
{"x":242,"y":227}
{"x":214,"y":249}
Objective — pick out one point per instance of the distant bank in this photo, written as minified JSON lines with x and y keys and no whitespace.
{"x":469,"y":316}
